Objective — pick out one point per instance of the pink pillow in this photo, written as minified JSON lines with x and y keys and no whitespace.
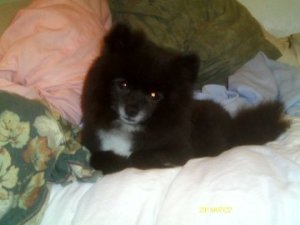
{"x":47,"y":50}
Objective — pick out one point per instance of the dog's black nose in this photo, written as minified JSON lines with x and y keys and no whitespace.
{"x":132,"y":110}
{"x":133,"y":102}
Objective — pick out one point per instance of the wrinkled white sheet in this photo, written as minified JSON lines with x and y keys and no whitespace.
{"x":245,"y":185}
{"x":46,"y":52}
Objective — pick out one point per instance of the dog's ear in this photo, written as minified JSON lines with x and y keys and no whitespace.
{"x":189,"y":65}
{"x":122,"y":38}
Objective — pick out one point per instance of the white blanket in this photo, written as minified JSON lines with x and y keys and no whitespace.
{"x":245,"y":185}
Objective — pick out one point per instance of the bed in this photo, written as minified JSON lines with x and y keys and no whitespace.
{"x":46,"y":48}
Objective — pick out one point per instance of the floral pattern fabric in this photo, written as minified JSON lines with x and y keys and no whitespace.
{"x":36,"y":147}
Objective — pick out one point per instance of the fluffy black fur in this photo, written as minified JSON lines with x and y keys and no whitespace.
{"x":177,"y":127}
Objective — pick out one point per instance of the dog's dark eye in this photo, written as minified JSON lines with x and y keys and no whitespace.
{"x":121,"y":84}
{"x":156,"y":96}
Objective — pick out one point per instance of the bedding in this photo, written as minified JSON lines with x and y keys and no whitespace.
{"x":260,"y":79}
{"x":222,"y":33}
{"x":8,"y":9}
{"x":44,"y":55}
{"x":245,"y":185}
{"x":48,"y":48}
{"x":36,"y":146}
{"x":280,"y":18}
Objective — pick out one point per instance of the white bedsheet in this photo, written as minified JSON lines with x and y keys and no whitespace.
{"x":245,"y":185}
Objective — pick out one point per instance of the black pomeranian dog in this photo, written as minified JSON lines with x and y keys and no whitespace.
{"x":138,"y":109}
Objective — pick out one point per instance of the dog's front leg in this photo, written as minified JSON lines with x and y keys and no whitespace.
{"x":156,"y":159}
{"x":108,"y":162}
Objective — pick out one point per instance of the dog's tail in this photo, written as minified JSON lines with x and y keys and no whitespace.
{"x":258,"y":125}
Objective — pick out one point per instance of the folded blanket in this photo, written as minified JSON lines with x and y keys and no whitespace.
{"x":230,"y":100}
{"x":260,"y":79}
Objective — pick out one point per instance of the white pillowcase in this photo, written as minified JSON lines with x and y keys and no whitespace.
{"x":279,"y":17}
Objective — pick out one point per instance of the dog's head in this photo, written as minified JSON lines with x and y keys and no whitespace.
{"x":140,"y":81}
{"x":133,"y":105}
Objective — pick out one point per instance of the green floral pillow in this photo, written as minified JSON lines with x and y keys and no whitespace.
{"x":223,"y":33}
{"x":36,"y":147}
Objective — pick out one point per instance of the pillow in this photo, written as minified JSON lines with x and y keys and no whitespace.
{"x":281,"y":17}
{"x":36,"y":147}
{"x":8,"y":9}
{"x":289,"y":47}
{"x":223,"y":33}
{"x":48,"y":48}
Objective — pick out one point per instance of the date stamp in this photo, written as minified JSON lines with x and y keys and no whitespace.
{"x":215,"y":209}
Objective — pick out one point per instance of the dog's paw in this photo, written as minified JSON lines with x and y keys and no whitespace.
{"x":107,"y":162}
{"x":145,"y":160}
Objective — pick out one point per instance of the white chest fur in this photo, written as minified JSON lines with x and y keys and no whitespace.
{"x":117,"y":140}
